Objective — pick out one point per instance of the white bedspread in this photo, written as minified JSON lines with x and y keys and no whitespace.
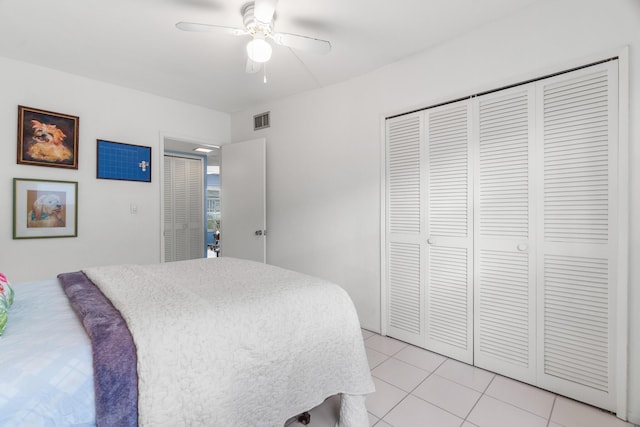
{"x":228,"y":342}
{"x":46,"y":374}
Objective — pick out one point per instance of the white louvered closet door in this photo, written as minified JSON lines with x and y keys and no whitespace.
{"x":577,"y":243}
{"x":169,"y":238}
{"x":449,"y":231}
{"x":405,"y":228}
{"x":184,"y":208}
{"x":504,"y":282}
{"x":502,"y":233}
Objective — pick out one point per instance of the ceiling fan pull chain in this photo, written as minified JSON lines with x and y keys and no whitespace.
{"x":264,"y":70}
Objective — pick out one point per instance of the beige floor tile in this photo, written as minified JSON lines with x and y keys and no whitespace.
{"x":400,"y":374}
{"x":386,"y":345}
{"x":414,"y":412}
{"x":522,"y":395}
{"x":375,"y":357}
{"x":448,"y":395}
{"x":490,"y":412}
{"x":367,"y":334}
{"x":423,"y":359}
{"x":384,"y":399}
{"x":373,"y":419}
{"x":467,"y":375}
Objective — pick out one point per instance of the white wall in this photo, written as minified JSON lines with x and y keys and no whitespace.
{"x":324,"y":147}
{"x":107,"y":232}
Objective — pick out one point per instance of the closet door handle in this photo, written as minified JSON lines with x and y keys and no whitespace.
{"x":430,"y":241}
{"x":522,"y":247}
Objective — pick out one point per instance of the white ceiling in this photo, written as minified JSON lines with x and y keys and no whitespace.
{"x":134,"y":43}
{"x":177,"y":145}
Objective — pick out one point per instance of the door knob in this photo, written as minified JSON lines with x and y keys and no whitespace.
{"x":258,"y":232}
{"x":522,"y":247}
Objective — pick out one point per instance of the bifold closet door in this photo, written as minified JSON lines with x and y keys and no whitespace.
{"x":504,"y":281}
{"x":577,"y":237}
{"x":405,"y":228}
{"x":183,"y":208}
{"x":449,"y":231}
{"x":430,"y":230}
{"x":502,"y":233}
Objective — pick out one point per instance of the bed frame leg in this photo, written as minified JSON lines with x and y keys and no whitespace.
{"x":304,"y":418}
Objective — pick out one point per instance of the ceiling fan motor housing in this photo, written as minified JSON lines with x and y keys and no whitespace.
{"x":252,"y":25}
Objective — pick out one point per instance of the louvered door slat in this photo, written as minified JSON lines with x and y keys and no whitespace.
{"x":504,"y":305}
{"x":405,"y":287}
{"x":449,"y":258}
{"x":447,"y":296}
{"x":405,"y":233}
{"x":448,"y":172}
{"x":576,"y":321}
{"x":570,"y":139}
{"x":577,"y":240}
{"x":403,"y":169}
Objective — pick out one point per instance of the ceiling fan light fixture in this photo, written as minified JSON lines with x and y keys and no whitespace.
{"x":259,"y":50}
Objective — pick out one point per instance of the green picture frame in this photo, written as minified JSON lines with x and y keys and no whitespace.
{"x":44,"y":208}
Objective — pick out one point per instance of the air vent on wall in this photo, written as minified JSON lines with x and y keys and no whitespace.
{"x":261,"y":121}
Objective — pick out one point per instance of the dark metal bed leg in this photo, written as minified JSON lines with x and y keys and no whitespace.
{"x":304,"y":418}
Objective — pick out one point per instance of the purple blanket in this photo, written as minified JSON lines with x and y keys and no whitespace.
{"x":114,"y":352}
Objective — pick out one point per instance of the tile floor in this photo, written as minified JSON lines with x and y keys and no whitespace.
{"x":415,"y":388}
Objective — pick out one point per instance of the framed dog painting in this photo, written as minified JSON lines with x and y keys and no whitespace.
{"x":44,"y":208}
{"x":46,"y":138}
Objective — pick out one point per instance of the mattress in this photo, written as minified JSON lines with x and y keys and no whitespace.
{"x":46,"y":374}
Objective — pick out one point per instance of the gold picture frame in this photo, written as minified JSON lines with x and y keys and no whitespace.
{"x":46,"y":138}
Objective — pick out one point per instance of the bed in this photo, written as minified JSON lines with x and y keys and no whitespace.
{"x":213,"y":342}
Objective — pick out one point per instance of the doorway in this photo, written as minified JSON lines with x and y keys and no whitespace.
{"x":205,"y":185}
{"x":244,"y":193}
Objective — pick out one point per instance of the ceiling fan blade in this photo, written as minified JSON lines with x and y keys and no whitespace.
{"x":308,"y":44}
{"x":193,"y":26}
{"x":252,"y":66}
{"x":263,"y":10}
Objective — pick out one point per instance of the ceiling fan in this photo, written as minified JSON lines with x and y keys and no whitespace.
{"x":258,"y":19}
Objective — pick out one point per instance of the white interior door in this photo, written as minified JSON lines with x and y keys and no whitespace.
{"x":406,"y":237}
{"x":183,"y":208}
{"x":243,"y":200}
{"x":449,"y":231}
{"x":504,"y":281}
{"x":577,"y":242}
